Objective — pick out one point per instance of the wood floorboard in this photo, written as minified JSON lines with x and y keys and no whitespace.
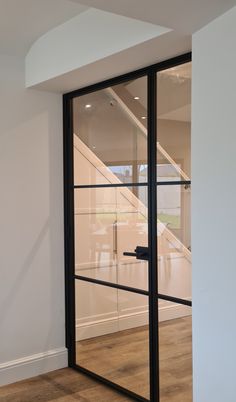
{"x":120,"y":357}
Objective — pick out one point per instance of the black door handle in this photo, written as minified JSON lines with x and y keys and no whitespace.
{"x":130,"y":254}
{"x":141,"y":253}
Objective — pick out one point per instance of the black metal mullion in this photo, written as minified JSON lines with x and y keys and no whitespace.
{"x":69,"y":229}
{"x":152,"y":238}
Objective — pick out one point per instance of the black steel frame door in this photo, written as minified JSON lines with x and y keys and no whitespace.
{"x":151,"y":253}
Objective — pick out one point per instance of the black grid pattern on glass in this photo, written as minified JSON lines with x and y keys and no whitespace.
{"x":152,"y":184}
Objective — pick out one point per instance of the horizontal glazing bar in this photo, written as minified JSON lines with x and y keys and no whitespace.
{"x":159,"y":183}
{"x":174,"y":299}
{"x":133,"y":290}
{"x":111,"y":285}
{"x":112,"y":384}
{"x":174,"y":183}
{"x":110,"y":185}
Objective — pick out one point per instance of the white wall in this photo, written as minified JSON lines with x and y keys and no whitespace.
{"x":73,"y":45}
{"x":31,"y":222}
{"x":213,"y":210}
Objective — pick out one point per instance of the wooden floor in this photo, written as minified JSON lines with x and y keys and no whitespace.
{"x":121,"y":357}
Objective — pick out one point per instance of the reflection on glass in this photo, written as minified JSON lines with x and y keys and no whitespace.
{"x":174,"y":243}
{"x":175,"y":356}
{"x":173,"y":164}
{"x":123,"y":172}
{"x":108,"y":222}
{"x":110,"y":134}
{"x":174,"y":122}
{"x":110,"y":147}
{"x":111,"y":339}
{"x":173,"y":209}
{"x":168,"y":169}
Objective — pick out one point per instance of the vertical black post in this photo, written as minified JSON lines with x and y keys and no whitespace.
{"x":69,"y":227}
{"x":152,"y":237}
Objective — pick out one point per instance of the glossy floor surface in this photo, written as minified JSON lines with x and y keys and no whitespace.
{"x":123,"y":358}
{"x":127,"y":364}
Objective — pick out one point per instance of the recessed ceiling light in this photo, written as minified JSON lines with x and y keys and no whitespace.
{"x":88,"y":106}
{"x":143,"y":117}
{"x":94,"y":147}
{"x":136,"y":97}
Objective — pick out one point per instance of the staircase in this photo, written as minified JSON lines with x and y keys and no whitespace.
{"x":109,"y":221}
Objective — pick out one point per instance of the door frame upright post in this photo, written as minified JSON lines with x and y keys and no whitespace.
{"x":152,"y":237}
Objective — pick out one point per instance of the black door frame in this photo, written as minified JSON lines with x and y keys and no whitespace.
{"x":152,"y":184}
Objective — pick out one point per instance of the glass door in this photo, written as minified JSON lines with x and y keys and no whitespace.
{"x":173,"y":233}
{"x":110,"y":222}
{"x":127,"y":215}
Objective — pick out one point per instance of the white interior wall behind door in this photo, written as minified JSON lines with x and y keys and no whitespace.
{"x":213,"y":210}
{"x":32,"y":317}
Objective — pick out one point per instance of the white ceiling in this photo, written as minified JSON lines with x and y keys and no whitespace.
{"x":186,"y":16}
{"x":85,"y":39}
{"x":153,"y":51}
{"x":24,"y":21}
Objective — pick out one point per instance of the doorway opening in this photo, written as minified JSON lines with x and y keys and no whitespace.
{"x":127,"y":231}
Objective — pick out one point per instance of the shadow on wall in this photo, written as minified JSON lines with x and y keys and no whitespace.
{"x":31,"y":217}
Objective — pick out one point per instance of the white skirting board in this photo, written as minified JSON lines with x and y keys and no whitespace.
{"x":104,"y":325}
{"x":33,"y":365}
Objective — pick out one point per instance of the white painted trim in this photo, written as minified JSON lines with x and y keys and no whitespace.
{"x":104,"y":326}
{"x":31,"y":366}
{"x":173,"y":311}
{"x":96,"y":328}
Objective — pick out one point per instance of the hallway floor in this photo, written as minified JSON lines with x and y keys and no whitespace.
{"x":123,"y":357}
{"x":66,"y":385}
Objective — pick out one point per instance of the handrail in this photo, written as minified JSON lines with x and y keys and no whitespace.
{"x":139,"y":124}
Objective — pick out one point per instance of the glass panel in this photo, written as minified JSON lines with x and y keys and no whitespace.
{"x":123,"y":172}
{"x":175,"y":353}
{"x":173,"y":227}
{"x":110,"y":135}
{"x":173,"y":209}
{"x":167,"y":169}
{"x":112,"y":335}
{"x":174,"y":123}
{"x":108,"y":222}
{"x":174,"y":240}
